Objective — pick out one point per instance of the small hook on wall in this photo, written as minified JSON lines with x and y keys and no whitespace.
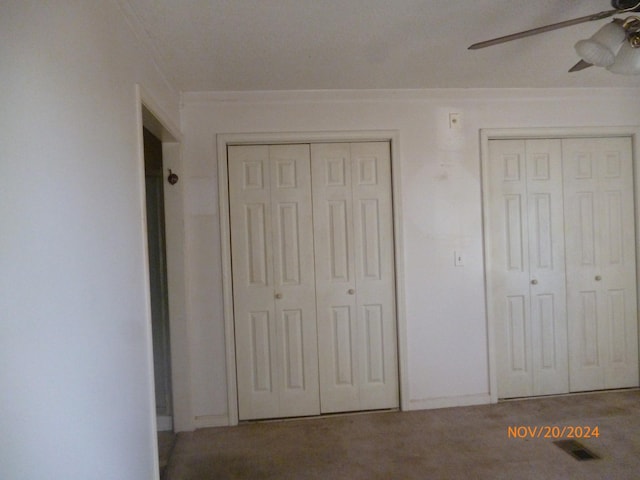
{"x":172,"y":178}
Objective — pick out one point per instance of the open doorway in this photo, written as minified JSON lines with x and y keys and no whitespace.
{"x":158,"y":283}
{"x":164,"y":243}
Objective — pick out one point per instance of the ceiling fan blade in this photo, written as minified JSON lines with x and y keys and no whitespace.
{"x":546,"y":28}
{"x":581,"y":65}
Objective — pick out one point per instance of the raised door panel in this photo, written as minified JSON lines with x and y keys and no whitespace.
{"x":294,"y":279}
{"x":341,"y":353}
{"x":618,"y":260}
{"x":547,"y":267}
{"x":587,"y":340}
{"x":601,"y":263}
{"x":254,"y":309}
{"x":527,"y":275}
{"x":312,"y":253}
{"x":355,"y":276}
{"x":374,"y":274}
{"x":260,"y":348}
{"x":273,"y":281}
{"x":335,"y":277}
{"x":508,"y":223}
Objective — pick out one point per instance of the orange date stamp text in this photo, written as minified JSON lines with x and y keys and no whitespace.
{"x":552,"y":431}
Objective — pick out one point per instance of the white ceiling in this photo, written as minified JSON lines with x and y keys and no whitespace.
{"x":216,"y":45}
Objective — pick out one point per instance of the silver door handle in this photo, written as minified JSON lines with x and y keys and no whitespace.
{"x":598,"y":278}
{"x":534,"y":282}
{"x":278,"y":296}
{"x":351,"y":291}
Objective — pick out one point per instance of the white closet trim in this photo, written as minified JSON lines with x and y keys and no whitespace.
{"x":530,"y":133}
{"x":224,"y":140}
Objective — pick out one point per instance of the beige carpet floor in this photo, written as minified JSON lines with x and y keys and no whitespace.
{"x":452,"y":443}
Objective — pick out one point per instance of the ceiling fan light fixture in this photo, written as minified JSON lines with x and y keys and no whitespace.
{"x":615,"y":46}
{"x":600,"y":49}
{"x":627,"y":61}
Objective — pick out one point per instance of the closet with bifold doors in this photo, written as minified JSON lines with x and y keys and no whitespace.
{"x":561,"y":264}
{"x":313,"y":278}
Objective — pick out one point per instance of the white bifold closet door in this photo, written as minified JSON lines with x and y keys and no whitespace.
{"x":313,"y":278}
{"x":601,"y":263}
{"x":527,"y":267}
{"x":273,"y":281}
{"x":562,"y":265}
{"x":355,"y":279}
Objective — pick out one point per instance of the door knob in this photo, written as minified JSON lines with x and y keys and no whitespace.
{"x":278,"y":296}
{"x":598,"y":278}
{"x":351,"y":291}
{"x":534,"y":282}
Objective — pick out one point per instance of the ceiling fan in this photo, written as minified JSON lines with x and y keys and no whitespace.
{"x":616,"y":46}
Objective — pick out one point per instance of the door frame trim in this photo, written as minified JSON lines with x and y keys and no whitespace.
{"x":227,"y":139}
{"x":632,"y":132}
{"x":152,"y":116}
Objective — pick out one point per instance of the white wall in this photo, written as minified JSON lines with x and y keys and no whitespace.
{"x":75,"y":372}
{"x":441,"y":202}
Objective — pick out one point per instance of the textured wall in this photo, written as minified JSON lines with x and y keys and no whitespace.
{"x":446,"y":340}
{"x":75,"y":371}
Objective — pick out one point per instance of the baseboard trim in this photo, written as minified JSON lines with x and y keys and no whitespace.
{"x":446,"y":402}
{"x":208,"y":421}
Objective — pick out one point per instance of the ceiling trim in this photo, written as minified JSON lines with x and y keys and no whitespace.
{"x":280,"y":96}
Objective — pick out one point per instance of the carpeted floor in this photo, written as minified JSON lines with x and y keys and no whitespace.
{"x":454,"y":443}
{"x":166,"y":442}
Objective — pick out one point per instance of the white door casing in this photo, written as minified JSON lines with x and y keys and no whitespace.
{"x":224,"y":141}
{"x":527,"y":266}
{"x":612,"y":310}
{"x":355,"y":282}
{"x":273,"y":280}
{"x":601,"y":263}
